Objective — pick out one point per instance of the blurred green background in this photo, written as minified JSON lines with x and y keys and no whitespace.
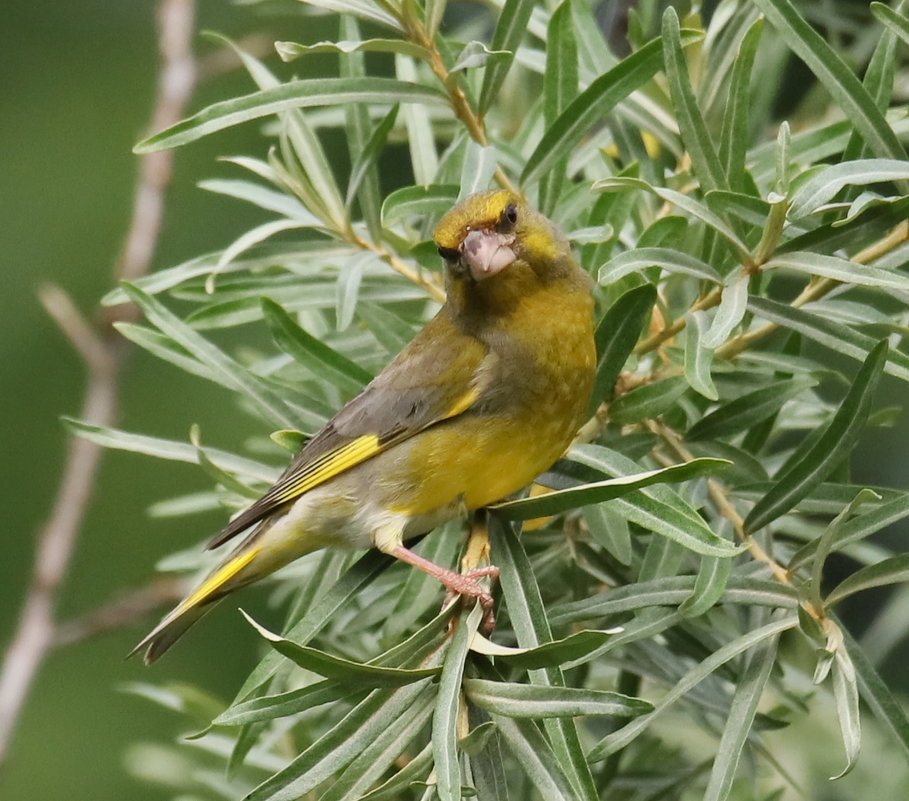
{"x":78,"y":82}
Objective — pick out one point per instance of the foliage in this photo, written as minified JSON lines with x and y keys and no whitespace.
{"x":751,"y":293}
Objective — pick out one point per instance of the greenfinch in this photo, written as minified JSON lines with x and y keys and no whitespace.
{"x":486,"y":397}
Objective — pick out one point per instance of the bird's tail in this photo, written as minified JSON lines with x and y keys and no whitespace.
{"x":225,"y":578}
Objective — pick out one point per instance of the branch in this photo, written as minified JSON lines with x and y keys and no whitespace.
{"x":103,"y":354}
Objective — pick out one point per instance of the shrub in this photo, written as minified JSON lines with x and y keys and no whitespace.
{"x":748,"y":238}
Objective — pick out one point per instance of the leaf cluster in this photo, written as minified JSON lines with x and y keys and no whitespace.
{"x":751,"y":291}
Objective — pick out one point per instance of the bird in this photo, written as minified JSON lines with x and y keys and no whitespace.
{"x":487,"y":396}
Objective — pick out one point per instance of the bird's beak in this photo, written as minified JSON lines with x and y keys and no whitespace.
{"x":487,"y":252}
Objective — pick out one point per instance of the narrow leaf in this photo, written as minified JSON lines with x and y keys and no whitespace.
{"x":531,"y":701}
{"x":748,"y":691}
{"x":510,"y":30}
{"x":704,"y":159}
{"x":322,"y":360}
{"x":837,"y":441}
{"x":561,"y":500}
{"x":698,"y":358}
{"x":616,"y":335}
{"x":294,"y":94}
{"x":836,"y":76}
{"x":594,"y":103}
{"x":337,"y":668}
{"x":894,"y":570}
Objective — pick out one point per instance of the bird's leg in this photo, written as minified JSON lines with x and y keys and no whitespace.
{"x":457,"y":583}
{"x":387,"y":539}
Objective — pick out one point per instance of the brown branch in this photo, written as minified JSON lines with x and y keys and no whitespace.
{"x":103,"y":354}
{"x":120,"y":611}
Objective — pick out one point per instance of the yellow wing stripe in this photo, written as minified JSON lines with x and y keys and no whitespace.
{"x":463,"y":404}
{"x":359,"y":450}
{"x":224,"y":574}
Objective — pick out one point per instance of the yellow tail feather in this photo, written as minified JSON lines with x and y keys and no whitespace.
{"x":191,"y":608}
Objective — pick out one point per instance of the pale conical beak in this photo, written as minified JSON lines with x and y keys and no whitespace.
{"x":487,"y":252}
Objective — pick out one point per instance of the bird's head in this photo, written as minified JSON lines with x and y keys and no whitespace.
{"x":486,"y":233}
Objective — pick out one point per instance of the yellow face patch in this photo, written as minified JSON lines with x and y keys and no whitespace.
{"x":482,"y":210}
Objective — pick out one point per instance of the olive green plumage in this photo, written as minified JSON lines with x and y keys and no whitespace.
{"x":487,"y":396}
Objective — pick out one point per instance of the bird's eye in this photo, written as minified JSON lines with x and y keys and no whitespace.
{"x":449,"y":254}
{"x":510,"y":213}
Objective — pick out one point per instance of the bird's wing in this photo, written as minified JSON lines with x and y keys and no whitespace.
{"x":439,"y":375}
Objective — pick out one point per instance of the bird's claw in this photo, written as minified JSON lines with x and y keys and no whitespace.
{"x":467,"y":584}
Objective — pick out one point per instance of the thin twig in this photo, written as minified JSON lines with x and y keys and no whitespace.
{"x":103,"y":354}
{"x":120,"y":611}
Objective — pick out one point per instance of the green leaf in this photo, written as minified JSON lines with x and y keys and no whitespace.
{"x":698,"y":358}
{"x":476,"y":54}
{"x":826,"y":541}
{"x":609,"y":530}
{"x":234,"y":375}
{"x":671,"y":591}
{"x":839,"y":338}
{"x":479,"y":166}
{"x":647,"y":402}
{"x":390,"y":330}
{"x":365,"y":724}
{"x":560,"y":87}
{"x":685,"y":202}
{"x":839,"y":269}
{"x":318,"y":357}
{"x":348,"y":290}
{"x":670,"y":260}
{"x":271,"y":707}
{"x":729,"y":313}
{"x":593,"y":104}
{"x":288,"y":51}
{"x":889,"y":571}
{"x":562,"y":500}
{"x":748,"y":410}
{"x":735,"y":135}
{"x":657,"y":509}
{"x":846,"y":696}
{"x":169,"y":449}
{"x":704,"y":159}
{"x":837,"y":441}
{"x":264,"y":198}
{"x":530,"y":701}
{"x":859,"y":527}
{"x":358,"y":576}
{"x":366,"y":159}
{"x":613,"y":742}
{"x":337,"y":668}
{"x":738,"y":723}
{"x":304,"y":93}
{"x":531,"y":627}
{"x":418,"y":201}
{"x":417,"y":769}
{"x":368,"y":10}
{"x":448,"y":700}
{"x":420,"y":136}
{"x":573,"y":648}
{"x":373,"y":762}
{"x":823,"y":186}
{"x":510,"y":30}
{"x":892,"y":19}
{"x":165,"y":348}
{"x":877,"y":694}
{"x":536,"y":758}
{"x":836,"y":76}
{"x":710,"y":584}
